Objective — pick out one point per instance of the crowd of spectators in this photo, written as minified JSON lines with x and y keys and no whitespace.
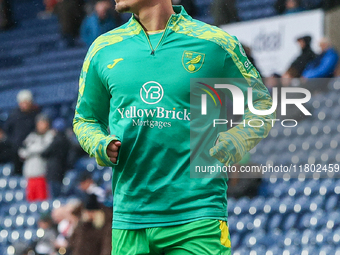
{"x":98,"y":18}
{"x":308,"y":68}
{"x":41,"y":149}
{"x":79,"y":227}
{"x":79,"y":18}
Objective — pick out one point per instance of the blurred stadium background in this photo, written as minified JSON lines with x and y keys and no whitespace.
{"x":289,"y":215}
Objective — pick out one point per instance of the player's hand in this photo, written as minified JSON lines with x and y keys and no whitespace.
{"x":112,"y":150}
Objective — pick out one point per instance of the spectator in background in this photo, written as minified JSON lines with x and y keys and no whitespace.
{"x":99,"y":22}
{"x":5,"y":147}
{"x":49,"y":9}
{"x":292,"y":6}
{"x":70,"y":15}
{"x":224,"y":12}
{"x":307,"y":55}
{"x":45,"y":244}
{"x":67,"y":218}
{"x":324,"y":65}
{"x":189,"y":6}
{"x":56,"y":156}
{"x":93,"y":233}
{"x":6,"y":21}
{"x":20,"y":123}
{"x":280,"y":6}
{"x":87,"y":185}
{"x":35,"y":165}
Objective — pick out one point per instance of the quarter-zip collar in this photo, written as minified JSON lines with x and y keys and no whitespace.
{"x":174,"y":18}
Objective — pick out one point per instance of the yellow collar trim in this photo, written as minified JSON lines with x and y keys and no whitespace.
{"x":155,"y":32}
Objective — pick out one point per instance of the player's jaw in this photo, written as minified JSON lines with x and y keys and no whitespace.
{"x":127,"y":5}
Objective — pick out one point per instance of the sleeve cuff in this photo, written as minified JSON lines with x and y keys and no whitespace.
{"x":100,"y":154}
{"x":225,"y":151}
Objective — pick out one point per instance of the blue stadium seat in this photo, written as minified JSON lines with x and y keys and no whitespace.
{"x":4,"y":237}
{"x":290,"y":222}
{"x":327,"y":250}
{"x":318,"y":220}
{"x":305,"y":221}
{"x":232,"y":221}
{"x":241,"y":251}
{"x":254,"y":239}
{"x":31,"y":221}
{"x":332,"y":203}
{"x":6,"y":223}
{"x":292,"y":237}
{"x":271,"y":206}
{"x":260,"y":221}
{"x":273,"y":250}
{"x":296,"y":189}
{"x":327,"y":187}
{"x":274,"y":236}
{"x":30,"y":234}
{"x":333,"y":220}
{"x":286,"y":205}
{"x":336,"y":237}
{"x":19,"y":221}
{"x":317,"y":203}
{"x":245,"y":224}
{"x":19,"y":195}
{"x":13,"y":183}
{"x":324,"y":236}
{"x":69,"y":182}
{"x":256,"y":205}
{"x":275,"y":221}
{"x":231,"y":200}
{"x":13,"y":236}
{"x":12,"y":211}
{"x":235,"y":240}
{"x":292,"y":250}
{"x":3,"y":183}
{"x":6,"y":169}
{"x":242,"y":206}
{"x":44,"y":206}
{"x":312,"y":188}
{"x":279,"y":190}
{"x":310,"y":249}
{"x":308,"y":238}
{"x":334,"y":85}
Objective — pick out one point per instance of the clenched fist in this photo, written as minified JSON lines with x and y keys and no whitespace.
{"x":112,"y":150}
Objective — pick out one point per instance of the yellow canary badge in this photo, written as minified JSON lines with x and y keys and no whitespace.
{"x":192,"y":61}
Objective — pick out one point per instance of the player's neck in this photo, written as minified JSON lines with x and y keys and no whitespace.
{"x":155,"y":17}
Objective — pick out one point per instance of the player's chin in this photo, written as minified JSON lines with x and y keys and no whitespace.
{"x":122,"y":8}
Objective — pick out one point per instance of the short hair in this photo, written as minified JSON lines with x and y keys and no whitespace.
{"x":24,"y":95}
{"x":42,"y":117}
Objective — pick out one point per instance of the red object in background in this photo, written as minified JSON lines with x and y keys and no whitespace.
{"x":49,"y":4}
{"x":36,"y":189}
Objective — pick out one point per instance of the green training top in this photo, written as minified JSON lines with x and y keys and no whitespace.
{"x":138,"y":86}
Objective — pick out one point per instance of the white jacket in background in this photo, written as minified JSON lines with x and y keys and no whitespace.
{"x":34,"y":145}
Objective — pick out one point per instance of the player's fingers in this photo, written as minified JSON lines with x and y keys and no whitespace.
{"x":113,"y":146}
{"x":112,"y":154}
{"x":113,"y":160}
{"x":118,"y":143}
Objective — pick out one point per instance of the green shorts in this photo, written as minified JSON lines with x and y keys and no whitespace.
{"x":202,"y":237}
